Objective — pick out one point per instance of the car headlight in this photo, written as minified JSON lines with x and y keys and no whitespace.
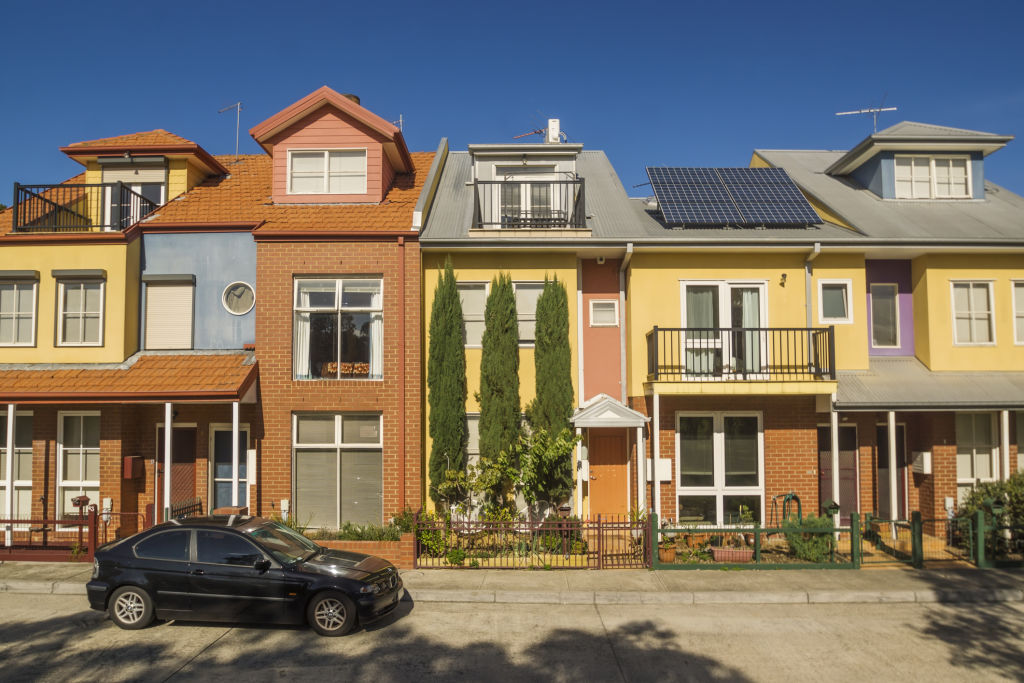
{"x":372,"y":588}
{"x":95,"y":569}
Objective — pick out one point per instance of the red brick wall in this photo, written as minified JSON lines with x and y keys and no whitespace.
{"x":277,"y":265}
{"x":399,"y":553}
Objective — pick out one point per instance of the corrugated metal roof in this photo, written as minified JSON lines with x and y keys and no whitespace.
{"x":905,"y":383}
{"x":905,"y":129}
{"x":999,"y":217}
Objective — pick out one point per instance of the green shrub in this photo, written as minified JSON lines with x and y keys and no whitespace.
{"x":1011,"y":494}
{"x":357,"y":532}
{"x":405,"y":521}
{"x":432,"y":536}
{"x":474,"y":564}
{"x":456,"y":557}
{"x":810,"y":540}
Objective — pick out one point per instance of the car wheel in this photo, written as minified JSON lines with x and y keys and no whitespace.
{"x":131,"y":608}
{"x":331,"y":613}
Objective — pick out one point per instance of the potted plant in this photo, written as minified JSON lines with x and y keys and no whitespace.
{"x":667,"y":551}
{"x":637,"y":522}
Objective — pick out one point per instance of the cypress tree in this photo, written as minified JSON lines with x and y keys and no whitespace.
{"x":446,"y":382}
{"x":553,"y":406}
{"x":499,"y":381}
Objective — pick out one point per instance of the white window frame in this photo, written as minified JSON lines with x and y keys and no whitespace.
{"x":61,"y":285}
{"x":848,"y":284}
{"x":17,"y":484}
{"x":724,"y":313}
{"x":1018,"y":313}
{"x":472,"y":451}
{"x":991,"y":311}
{"x":615,"y":305}
{"x":16,"y":313}
{"x":932,"y":158}
{"x":78,"y":484}
{"x":719,"y":490}
{"x":517,"y":175}
{"x":994,"y":457}
{"x":520,"y":318}
{"x":475,"y":318}
{"x":871,"y":315}
{"x":326,"y":170}
{"x":339,"y":283}
{"x":339,"y":447}
{"x":212,"y":462}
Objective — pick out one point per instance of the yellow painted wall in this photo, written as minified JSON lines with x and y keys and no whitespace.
{"x":121,"y":300}
{"x":482,"y":267}
{"x":654,"y":294}
{"x":933,"y":311}
{"x":851,"y":338}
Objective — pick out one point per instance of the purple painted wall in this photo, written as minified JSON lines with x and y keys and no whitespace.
{"x":898,"y":272}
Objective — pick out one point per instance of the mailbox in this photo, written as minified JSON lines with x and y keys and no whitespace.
{"x":131,"y":467}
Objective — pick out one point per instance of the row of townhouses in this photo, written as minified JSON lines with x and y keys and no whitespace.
{"x":843,"y":325}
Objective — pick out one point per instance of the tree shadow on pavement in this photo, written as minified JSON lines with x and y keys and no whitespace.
{"x":85,"y":646}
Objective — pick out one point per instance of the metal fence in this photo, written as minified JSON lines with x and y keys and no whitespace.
{"x":604,"y":542}
{"x":535,"y":204}
{"x":77,"y":207}
{"x":189,"y":507}
{"x":791,"y":545}
{"x":72,"y":537}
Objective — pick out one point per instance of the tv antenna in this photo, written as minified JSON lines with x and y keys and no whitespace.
{"x":237,"y":106}
{"x":400,"y":123}
{"x":874,"y":111}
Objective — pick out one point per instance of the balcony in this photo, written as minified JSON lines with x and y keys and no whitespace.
{"x":72,"y":207}
{"x":529,"y":205}
{"x":741,"y":354}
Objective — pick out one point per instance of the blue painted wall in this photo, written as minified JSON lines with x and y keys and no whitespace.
{"x":217,"y":260}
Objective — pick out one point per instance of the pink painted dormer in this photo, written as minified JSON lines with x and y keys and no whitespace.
{"x":327,"y":149}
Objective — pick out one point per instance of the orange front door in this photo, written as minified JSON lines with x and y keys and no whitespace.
{"x":609,"y":492}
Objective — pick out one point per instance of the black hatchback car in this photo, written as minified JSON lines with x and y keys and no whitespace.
{"x":239,"y":568}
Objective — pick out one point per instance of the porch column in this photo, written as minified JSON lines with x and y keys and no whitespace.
{"x":656,"y":484}
{"x":835,"y":461}
{"x":893,"y":491}
{"x":579,"y":472}
{"x":168,"y":430}
{"x":1004,"y":442}
{"x":641,"y":470}
{"x":234,"y":454}
{"x":9,"y":475}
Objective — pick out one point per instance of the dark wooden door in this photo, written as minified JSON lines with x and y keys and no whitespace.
{"x":183,"y":462}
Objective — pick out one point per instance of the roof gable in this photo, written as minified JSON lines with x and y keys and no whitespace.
{"x":156,"y":141}
{"x":604,"y":411}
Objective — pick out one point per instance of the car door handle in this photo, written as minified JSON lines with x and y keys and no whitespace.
{"x":197,"y":572}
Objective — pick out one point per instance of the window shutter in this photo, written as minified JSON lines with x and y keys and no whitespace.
{"x":135,"y":174}
{"x":169,"y":316}
{"x":361,"y":494}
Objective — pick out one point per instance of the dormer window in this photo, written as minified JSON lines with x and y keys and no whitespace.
{"x":328,"y":171}
{"x":933,"y":177}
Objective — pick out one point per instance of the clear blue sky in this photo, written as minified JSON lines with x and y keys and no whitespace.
{"x":682,"y":83}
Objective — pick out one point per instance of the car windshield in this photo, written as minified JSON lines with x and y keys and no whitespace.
{"x":286,"y":545}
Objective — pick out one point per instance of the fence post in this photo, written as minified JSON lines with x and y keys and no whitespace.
{"x":855,"y":539}
{"x":93,"y":530}
{"x":979,"y":539}
{"x":916,"y":540}
{"x":757,"y":543}
{"x":600,"y":544}
{"x":14,"y":208}
{"x":416,"y":539}
{"x":655,"y":540}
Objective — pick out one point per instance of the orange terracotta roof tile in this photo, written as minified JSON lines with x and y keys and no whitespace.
{"x":149,"y":137}
{"x":150,"y":377}
{"x":245,"y":195}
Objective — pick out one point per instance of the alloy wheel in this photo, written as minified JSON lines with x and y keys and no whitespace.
{"x":330,"y":614}
{"x":129,"y":607}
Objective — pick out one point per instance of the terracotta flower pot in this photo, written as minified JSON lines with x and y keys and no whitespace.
{"x":667,"y":554}
{"x":732,"y":554}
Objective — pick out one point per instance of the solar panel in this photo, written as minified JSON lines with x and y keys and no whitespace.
{"x":745,"y":197}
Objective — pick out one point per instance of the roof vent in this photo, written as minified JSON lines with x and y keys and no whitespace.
{"x":354,"y":98}
{"x":554,"y":132}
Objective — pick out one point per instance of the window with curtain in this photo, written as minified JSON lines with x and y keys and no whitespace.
{"x":81,"y":313}
{"x":885,"y":319}
{"x":925,"y":177}
{"x":335,"y":171}
{"x":722,"y":322}
{"x":719,"y":458}
{"x":79,"y":455}
{"x":338,"y":329}
{"x":972,"y":313}
{"x":338,"y":469}
{"x":17,"y":313}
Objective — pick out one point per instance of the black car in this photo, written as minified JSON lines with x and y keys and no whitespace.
{"x":239,"y":568}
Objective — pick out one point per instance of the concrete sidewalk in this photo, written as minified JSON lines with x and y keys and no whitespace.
{"x":634,"y":586}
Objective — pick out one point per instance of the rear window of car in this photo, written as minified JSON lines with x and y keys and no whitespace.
{"x":220,"y":547}
{"x":169,"y":545}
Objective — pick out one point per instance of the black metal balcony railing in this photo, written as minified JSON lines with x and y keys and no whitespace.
{"x":533,"y":204}
{"x":77,"y":207}
{"x":744,"y":354}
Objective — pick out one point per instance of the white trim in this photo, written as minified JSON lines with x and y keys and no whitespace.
{"x":994,"y":457}
{"x":848,"y":284}
{"x":615,"y":309}
{"x":224,"y":294}
{"x":932,"y":187}
{"x":339,"y":309}
{"x":211,"y":462}
{"x":896,"y":317}
{"x":487,"y":292}
{"x":61,"y":284}
{"x":80,"y":484}
{"x":719,"y":489}
{"x":723,"y":342}
{"x":1017,"y":313}
{"x":16,"y":312}
{"x":326,"y":171}
{"x":991,"y":310}
{"x":519,"y":316}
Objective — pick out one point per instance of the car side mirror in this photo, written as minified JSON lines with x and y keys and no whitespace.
{"x":261,"y":565}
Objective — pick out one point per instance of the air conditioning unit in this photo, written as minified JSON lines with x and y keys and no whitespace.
{"x":921,"y":462}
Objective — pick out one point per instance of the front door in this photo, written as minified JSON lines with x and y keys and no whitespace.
{"x":609,"y":485}
{"x":183,"y":461}
{"x":847,"y":470}
{"x":885,"y":510}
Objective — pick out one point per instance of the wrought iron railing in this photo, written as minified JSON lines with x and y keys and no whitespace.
{"x":189,"y":507}
{"x":770,"y":354}
{"x":75,"y":207}
{"x":533,"y":204}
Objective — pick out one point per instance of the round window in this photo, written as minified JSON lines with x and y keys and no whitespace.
{"x":239,"y":298}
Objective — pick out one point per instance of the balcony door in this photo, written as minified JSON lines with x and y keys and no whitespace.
{"x":526,"y":196}
{"x":722,"y":322}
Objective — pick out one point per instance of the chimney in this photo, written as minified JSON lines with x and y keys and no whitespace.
{"x":354,"y":98}
{"x":554,"y":132}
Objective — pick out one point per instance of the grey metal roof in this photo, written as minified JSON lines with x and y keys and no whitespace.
{"x":997,"y":218}
{"x":905,"y":383}
{"x":913,"y":129}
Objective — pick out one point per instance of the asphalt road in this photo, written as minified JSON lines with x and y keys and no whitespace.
{"x":52,"y":637}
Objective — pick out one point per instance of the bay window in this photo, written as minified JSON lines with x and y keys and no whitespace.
{"x":338,"y":329}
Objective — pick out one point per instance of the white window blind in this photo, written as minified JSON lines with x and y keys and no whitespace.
{"x":169,"y":316}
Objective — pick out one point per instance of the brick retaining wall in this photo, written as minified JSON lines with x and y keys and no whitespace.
{"x":398,"y":553}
